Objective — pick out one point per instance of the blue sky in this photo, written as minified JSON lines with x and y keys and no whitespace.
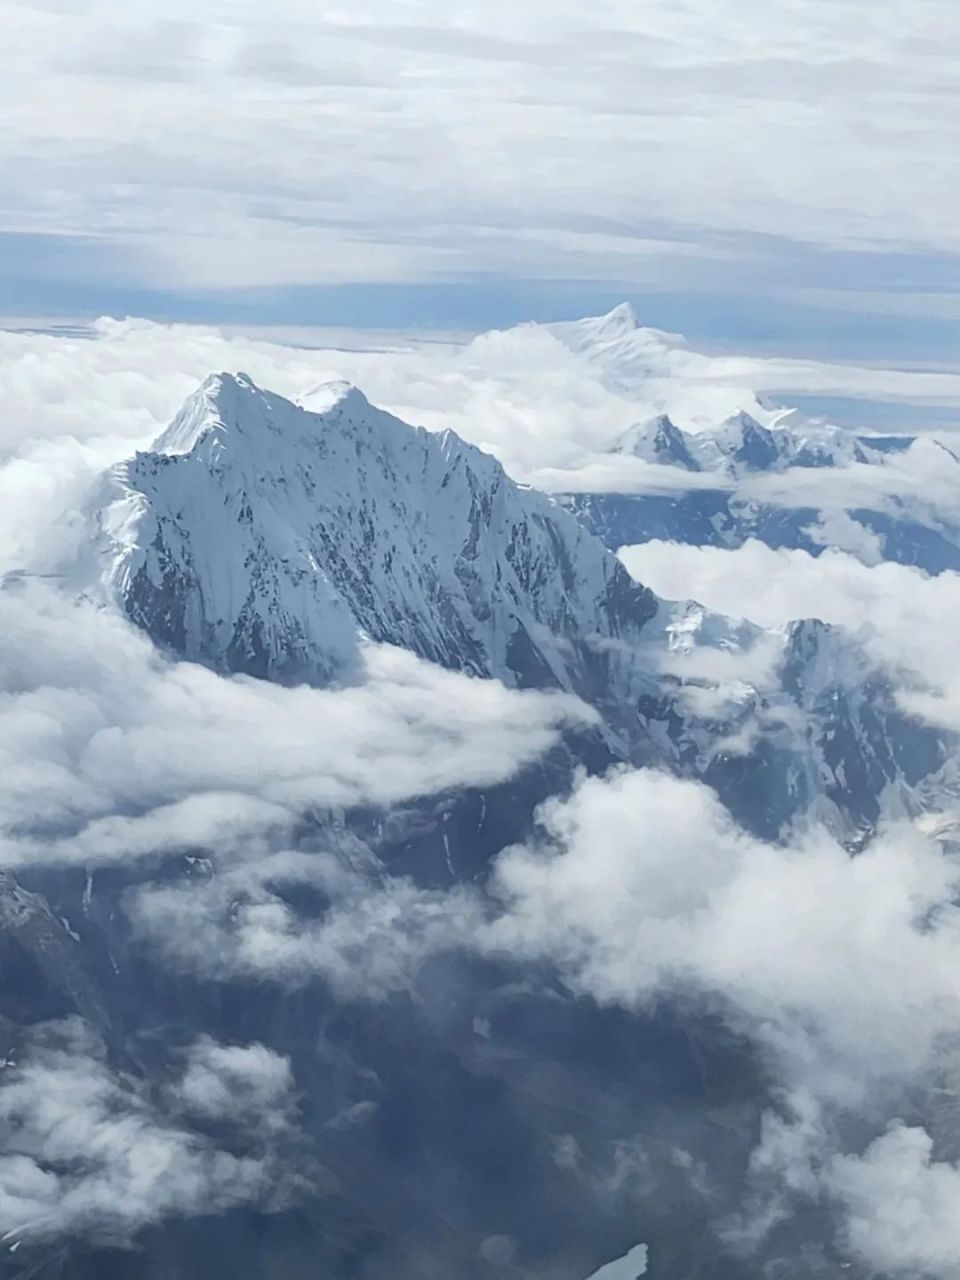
{"x":773,"y":176}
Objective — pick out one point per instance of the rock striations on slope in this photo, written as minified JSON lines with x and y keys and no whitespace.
{"x":262,"y":537}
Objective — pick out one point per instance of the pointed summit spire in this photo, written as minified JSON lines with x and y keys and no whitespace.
{"x":658,"y":440}
{"x":621,"y":320}
{"x":211,"y":407}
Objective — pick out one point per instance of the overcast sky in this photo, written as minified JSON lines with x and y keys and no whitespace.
{"x":767,"y":171}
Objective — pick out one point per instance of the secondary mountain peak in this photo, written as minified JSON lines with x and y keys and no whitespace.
{"x":334,"y":397}
{"x":622,"y":319}
{"x":600,"y":338}
{"x":283,"y":539}
{"x":230,"y":405}
{"x":658,"y":440}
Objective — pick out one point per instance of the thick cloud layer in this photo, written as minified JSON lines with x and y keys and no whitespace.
{"x":88,"y":1150}
{"x":840,"y":970}
{"x":644,"y":883}
{"x":901,"y":1204}
{"x":110,"y":752}
{"x":545,"y":411}
{"x":903,"y":617}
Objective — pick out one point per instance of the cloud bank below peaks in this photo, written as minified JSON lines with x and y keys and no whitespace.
{"x":92,"y":1151}
{"x":110,"y":752}
{"x":842,"y":971}
{"x":903,"y":618}
{"x":839,"y":969}
{"x":548,"y":401}
{"x":639,"y":889}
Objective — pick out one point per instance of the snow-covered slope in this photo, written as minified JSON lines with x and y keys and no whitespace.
{"x":261,"y":536}
{"x":740,"y":445}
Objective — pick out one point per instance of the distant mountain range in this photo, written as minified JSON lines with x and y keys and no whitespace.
{"x":761,"y":471}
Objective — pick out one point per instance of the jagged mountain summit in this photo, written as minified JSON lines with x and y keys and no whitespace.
{"x":657,"y":371}
{"x":723,"y":499}
{"x":740,"y":446}
{"x":263,"y":537}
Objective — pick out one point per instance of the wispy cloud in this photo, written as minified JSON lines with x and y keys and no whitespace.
{"x":238,"y":148}
{"x":774,"y":586}
{"x":90,"y":1150}
{"x":112,"y":752}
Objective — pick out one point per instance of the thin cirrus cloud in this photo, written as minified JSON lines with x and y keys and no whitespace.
{"x":312,"y":126}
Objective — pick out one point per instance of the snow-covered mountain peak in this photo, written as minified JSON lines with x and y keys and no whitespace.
{"x":654,"y":371}
{"x":658,"y":440}
{"x":740,"y":445}
{"x":227,"y":404}
{"x":748,"y":444}
{"x":743,"y":421}
{"x":336,"y":396}
{"x":207,"y":409}
{"x":613,"y":337}
{"x":621,"y":320}
{"x":264,"y":537}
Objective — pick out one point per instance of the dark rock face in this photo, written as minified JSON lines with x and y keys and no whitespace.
{"x":717,"y":518}
{"x":659,"y":441}
{"x":757,"y":449}
{"x":726,"y":505}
